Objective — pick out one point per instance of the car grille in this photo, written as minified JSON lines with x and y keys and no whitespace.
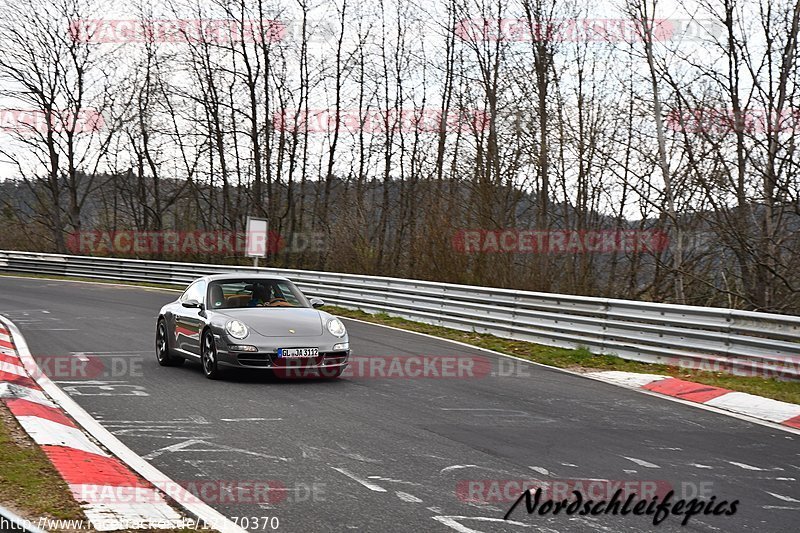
{"x":335,"y":358}
{"x":271,"y":360}
{"x":254,"y":359}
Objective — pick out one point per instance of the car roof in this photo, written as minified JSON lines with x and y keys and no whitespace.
{"x":244,"y":275}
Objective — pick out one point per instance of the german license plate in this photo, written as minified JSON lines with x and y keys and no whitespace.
{"x":298,"y":352}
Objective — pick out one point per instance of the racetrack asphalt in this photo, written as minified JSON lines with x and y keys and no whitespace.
{"x":397,"y":453}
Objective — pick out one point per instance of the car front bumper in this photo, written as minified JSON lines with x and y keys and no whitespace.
{"x":265,"y":355}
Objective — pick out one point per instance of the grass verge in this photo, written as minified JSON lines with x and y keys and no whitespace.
{"x":582,"y":360}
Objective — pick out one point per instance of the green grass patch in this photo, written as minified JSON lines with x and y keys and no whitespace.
{"x":583,"y":360}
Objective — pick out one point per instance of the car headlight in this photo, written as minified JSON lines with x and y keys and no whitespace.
{"x":236,"y":329}
{"x":336,"y":327}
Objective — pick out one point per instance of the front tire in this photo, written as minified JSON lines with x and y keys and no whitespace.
{"x":208,"y":356}
{"x":163,"y":352}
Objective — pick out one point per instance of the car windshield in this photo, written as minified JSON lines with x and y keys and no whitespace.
{"x":242,"y":293}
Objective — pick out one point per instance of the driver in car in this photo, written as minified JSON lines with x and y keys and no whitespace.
{"x":259,"y":297}
{"x":278,"y":299}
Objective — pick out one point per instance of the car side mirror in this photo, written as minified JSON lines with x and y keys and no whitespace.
{"x":192,"y":304}
{"x":316,"y":302}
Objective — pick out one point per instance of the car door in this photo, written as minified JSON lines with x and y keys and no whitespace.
{"x":188,"y":320}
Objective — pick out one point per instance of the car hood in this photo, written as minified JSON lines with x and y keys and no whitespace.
{"x":278,"y":321}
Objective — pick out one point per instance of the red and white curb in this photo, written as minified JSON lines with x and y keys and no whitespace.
{"x":114,"y":492}
{"x":784,"y":413}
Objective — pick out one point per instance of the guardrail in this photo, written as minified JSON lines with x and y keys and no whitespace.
{"x":740,"y":342}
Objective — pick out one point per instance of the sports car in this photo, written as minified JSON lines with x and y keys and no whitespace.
{"x":251,"y":321}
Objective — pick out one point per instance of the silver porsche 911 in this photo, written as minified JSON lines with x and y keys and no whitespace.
{"x":250,"y":321}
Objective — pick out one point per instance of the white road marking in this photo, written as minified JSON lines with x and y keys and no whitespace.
{"x":698,"y":465}
{"x":570,"y":464}
{"x":208,"y":447}
{"x":781,"y":507}
{"x":540,"y":470}
{"x":129,"y":427}
{"x":122,"y":424}
{"x":406,"y":497}
{"x":368,"y":484}
{"x":453,"y":523}
{"x":103,"y":388}
{"x":181,"y":433}
{"x":640,"y":462}
{"x":629,"y":471}
{"x":473,"y":409}
{"x":709,"y":526}
{"x":456,"y":467}
{"x":392,"y":480}
{"x":491,"y":411}
{"x":594,"y":523}
{"x":483,"y":506}
{"x":746,"y":466}
{"x":782,"y":497}
{"x":321,"y":453}
{"x":250,"y":419}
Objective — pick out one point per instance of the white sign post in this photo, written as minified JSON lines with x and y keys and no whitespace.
{"x":257,"y":238}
